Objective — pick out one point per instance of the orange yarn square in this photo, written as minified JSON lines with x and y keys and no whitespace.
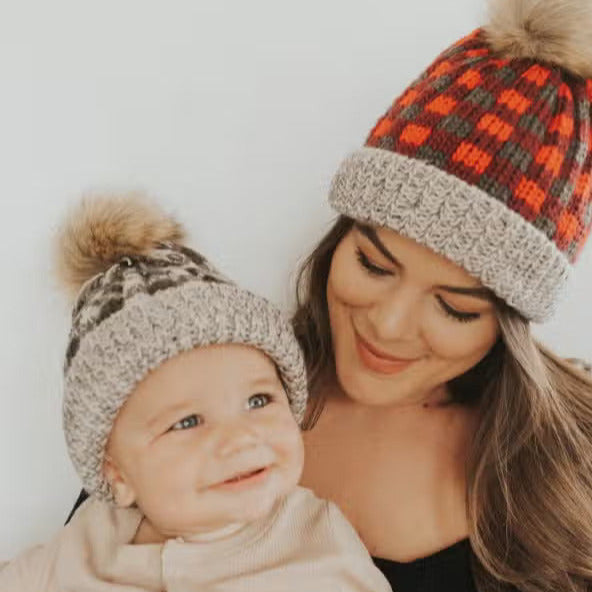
{"x":531,"y":193}
{"x":477,"y":53}
{"x":537,"y":74}
{"x":442,"y":68}
{"x":408,"y":97}
{"x":472,"y":156}
{"x":568,"y":226}
{"x":563,"y":124}
{"x":415,"y":134}
{"x":382,"y":128}
{"x":551,"y":157}
{"x":589,"y":89}
{"x":565,"y":92}
{"x":514,"y":100}
{"x":442,"y":105}
{"x":495,"y":126}
{"x":583,"y":186}
{"x":470,"y":79}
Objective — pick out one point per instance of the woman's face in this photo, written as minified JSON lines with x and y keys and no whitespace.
{"x":404,"y":320}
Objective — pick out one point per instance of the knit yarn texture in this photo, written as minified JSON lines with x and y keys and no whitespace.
{"x":143,"y":311}
{"x":487,"y":161}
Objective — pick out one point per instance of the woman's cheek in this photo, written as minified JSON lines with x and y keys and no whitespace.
{"x":462,"y":341}
{"x":348,"y":284}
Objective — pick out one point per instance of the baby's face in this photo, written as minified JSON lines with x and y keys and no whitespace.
{"x":206,"y":440}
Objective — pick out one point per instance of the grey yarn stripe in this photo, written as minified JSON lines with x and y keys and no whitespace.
{"x":456,"y":220}
{"x":149,"y":329}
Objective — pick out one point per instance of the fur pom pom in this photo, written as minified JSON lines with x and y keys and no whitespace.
{"x":103,"y":229}
{"x":554,"y":31}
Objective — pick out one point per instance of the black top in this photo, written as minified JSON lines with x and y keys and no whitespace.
{"x":448,"y":570}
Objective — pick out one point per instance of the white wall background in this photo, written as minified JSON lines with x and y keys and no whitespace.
{"x":234,"y":114}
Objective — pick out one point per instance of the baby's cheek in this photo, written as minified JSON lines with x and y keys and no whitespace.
{"x":169,"y":493}
{"x":291,"y":446}
{"x":164,"y":477}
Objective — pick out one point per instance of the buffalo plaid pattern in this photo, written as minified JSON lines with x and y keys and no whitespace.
{"x":517,"y":129}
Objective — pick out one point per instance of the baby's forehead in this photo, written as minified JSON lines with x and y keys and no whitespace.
{"x":203,"y":378}
{"x":235,"y":384}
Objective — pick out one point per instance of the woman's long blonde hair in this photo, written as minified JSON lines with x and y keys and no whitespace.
{"x":529,"y":493}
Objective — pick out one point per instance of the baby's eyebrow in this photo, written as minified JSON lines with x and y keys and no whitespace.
{"x":178,"y":408}
{"x":263,"y":382}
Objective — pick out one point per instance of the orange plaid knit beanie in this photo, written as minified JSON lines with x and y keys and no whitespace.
{"x":487,"y":157}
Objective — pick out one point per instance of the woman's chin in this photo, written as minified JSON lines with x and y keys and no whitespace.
{"x":366,"y":389}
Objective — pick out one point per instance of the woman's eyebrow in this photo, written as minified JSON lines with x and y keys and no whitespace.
{"x":477,"y":292}
{"x":371,"y":235}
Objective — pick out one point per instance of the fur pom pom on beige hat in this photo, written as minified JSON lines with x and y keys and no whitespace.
{"x":100,"y":230}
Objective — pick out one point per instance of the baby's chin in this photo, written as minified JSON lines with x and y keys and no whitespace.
{"x":222,"y":508}
{"x":220,"y":522}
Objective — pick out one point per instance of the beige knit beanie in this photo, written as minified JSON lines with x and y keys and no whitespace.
{"x":143,"y":297}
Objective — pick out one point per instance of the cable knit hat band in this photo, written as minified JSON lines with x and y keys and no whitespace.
{"x":456,"y":220}
{"x":149,"y":329}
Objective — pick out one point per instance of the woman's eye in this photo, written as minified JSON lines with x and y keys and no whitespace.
{"x":463,"y":317}
{"x":191,"y":421}
{"x":259,"y":400}
{"x":369,"y":266}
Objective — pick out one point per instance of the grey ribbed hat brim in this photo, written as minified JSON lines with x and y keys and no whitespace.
{"x":118,"y":353}
{"x":457,"y":220}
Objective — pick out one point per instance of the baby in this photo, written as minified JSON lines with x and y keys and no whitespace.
{"x":182,"y":398}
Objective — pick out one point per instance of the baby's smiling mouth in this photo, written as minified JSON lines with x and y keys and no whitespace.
{"x":244,"y":478}
{"x":245,"y":475}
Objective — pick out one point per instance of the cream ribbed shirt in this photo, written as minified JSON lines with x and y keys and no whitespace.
{"x":305,"y":545}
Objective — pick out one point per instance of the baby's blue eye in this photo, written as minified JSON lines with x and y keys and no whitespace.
{"x":190,"y":421}
{"x":257,"y":401}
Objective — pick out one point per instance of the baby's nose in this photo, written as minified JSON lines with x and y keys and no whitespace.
{"x":235,"y":438}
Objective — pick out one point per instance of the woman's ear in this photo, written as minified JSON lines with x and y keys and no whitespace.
{"x":122,"y":490}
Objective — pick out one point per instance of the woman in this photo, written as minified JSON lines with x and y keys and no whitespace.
{"x":459,"y":448}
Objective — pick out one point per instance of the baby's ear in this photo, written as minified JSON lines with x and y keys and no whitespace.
{"x":122,"y":490}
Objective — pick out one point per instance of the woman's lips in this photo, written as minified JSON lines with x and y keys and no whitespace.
{"x":379,"y":361}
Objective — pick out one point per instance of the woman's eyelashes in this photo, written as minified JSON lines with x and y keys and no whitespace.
{"x":463,"y":317}
{"x":370,"y":267}
{"x":376,"y":270}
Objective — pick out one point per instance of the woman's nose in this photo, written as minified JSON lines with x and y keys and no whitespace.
{"x":236,"y":437}
{"x":397,"y":316}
